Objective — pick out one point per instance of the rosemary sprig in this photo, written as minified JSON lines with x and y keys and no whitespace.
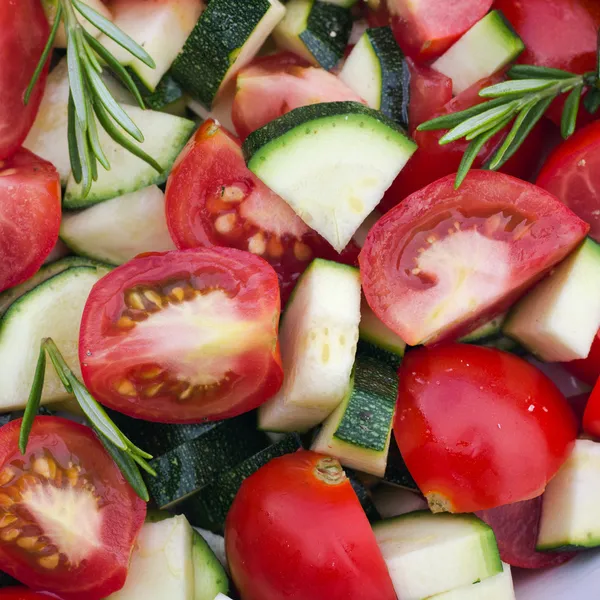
{"x":128,"y":457}
{"x":89,"y":97}
{"x":520,"y":101}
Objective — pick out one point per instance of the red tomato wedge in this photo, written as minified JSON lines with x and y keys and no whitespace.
{"x":587,"y":369}
{"x":591,"y":416}
{"x":465,"y":418}
{"x":29,"y":215}
{"x":572,"y":173}
{"x":183,"y":336}
{"x":68,"y":518}
{"x":427,"y":28}
{"x":273,"y":85}
{"x":23,"y":34}
{"x":444,"y":258}
{"x":21,"y":593}
{"x":213,"y":199}
{"x":296,"y":530}
{"x":516,"y":527}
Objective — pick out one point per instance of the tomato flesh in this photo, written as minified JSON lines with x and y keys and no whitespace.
{"x":591,"y":416}
{"x":183,"y":336}
{"x":587,"y":369}
{"x":24,"y":32}
{"x":296,"y":530}
{"x":21,"y":593}
{"x":29,"y":215}
{"x":444,"y":258}
{"x":467,"y":415}
{"x":68,"y":518}
{"x":212,"y":199}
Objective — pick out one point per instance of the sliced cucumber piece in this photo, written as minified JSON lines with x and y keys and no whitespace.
{"x":50,"y":6}
{"x":358,"y":431}
{"x":498,"y":587}
{"x":330,"y":162}
{"x":117,"y":230}
{"x":52,"y":309}
{"x":377,"y":71}
{"x":210,"y":579}
{"x":318,"y":337}
{"x":161,"y":28}
{"x":165,"y":136}
{"x":487,"y":47}
{"x":429,"y":554}
{"x":227,"y":37}
{"x":317,"y":31}
{"x":558,"y":319}
{"x":570,"y":517}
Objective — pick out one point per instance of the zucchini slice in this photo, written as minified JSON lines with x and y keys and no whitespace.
{"x":498,"y":587}
{"x":490,"y":335}
{"x":210,"y":578}
{"x":331,"y":162}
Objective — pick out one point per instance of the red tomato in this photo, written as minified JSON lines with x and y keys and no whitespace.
{"x":296,"y":530}
{"x":214,"y":200}
{"x":68,"y":518}
{"x":183,"y":336}
{"x":587,"y":369}
{"x":21,"y":593}
{"x":23,"y":35}
{"x":516,"y":527}
{"x":467,"y":416}
{"x":572,"y":173}
{"x":591,"y":416}
{"x":427,"y":28}
{"x":444,"y":258}
{"x":273,"y":85}
{"x":29,"y":215}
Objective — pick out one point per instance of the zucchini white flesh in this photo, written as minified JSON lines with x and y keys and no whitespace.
{"x":48,"y":136}
{"x":117,"y":230}
{"x":429,"y":554}
{"x":498,"y":587}
{"x":210,"y":579}
{"x":358,"y":431}
{"x":165,"y":136}
{"x":558,"y":319}
{"x":570,"y":515}
{"x":486,"y":48}
{"x":161,"y":28}
{"x":377,"y":71}
{"x":318,"y":336}
{"x":315,"y":30}
{"x":375,"y":332}
{"x":490,"y":335}
{"x":331,"y":162}
{"x":52,"y":309}
{"x":228,"y":35}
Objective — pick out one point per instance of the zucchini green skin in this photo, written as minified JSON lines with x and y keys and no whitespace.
{"x":368,"y":349}
{"x":214,"y":44}
{"x":167,"y":92}
{"x":210,"y":578}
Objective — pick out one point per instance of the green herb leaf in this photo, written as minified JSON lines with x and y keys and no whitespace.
{"x":34,"y":400}
{"x":570,"y":112}
{"x":591,"y":101}
{"x":94,"y":141}
{"x":60,"y":366}
{"x":72,"y":139}
{"x":76,"y":82}
{"x":532,"y":72}
{"x":519,"y":87}
{"x":453,"y":119}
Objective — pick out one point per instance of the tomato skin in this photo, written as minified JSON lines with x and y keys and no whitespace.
{"x":183,"y":336}
{"x":464,"y":421}
{"x":30,"y":215}
{"x":21,"y":593}
{"x":103,"y":569}
{"x":24,"y":34}
{"x":591,"y":416}
{"x":587,"y":369}
{"x":291,"y":535}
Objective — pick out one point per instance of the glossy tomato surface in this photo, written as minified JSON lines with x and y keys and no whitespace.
{"x":591,"y":416}
{"x":479,"y":428}
{"x":296,"y":530}
{"x":21,"y":593}
{"x":183,"y":336}
{"x":29,"y":215}
{"x":23,"y":34}
{"x":445,"y":258}
{"x":68,"y":518}
{"x":572,"y":173}
{"x":587,"y":369}
{"x":273,"y":85}
{"x":213,"y":199}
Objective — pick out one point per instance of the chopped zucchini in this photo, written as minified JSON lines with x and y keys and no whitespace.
{"x":558,"y":319}
{"x":167,"y":96}
{"x":490,"y":335}
{"x":375,"y":333}
{"x":498,"y":587}
{"x":331,"y":162}
{"x":318,"y":336}
{"x":117,"y":230}
{"x":210,"y":578}
{"x":317,"y":31}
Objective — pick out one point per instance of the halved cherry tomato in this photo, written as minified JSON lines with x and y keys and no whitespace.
{"x":21,"y":593}
{"x":296,"y":530}
{"x":591,"y":416}
{"x":213,"y":199}
{"x":183,"y":336}
{"x":444,"y":258}
{"x":68,"y":518}
{"x":23,"y":35}
{"x":467,"y":418}
{"x":587,"y":369}
{"x":572,"y":173}
{"x":29,"y":215}
{"x":427,"y":28}
{"x":273,"y":85}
